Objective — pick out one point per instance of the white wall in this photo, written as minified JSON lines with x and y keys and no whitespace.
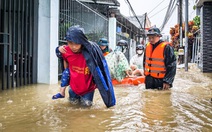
{"x":132,"y":47}
{"x":112,"y":33}
{"x":48,"y":17}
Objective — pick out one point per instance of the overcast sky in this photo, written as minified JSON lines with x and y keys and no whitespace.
{"x":155,"y":14}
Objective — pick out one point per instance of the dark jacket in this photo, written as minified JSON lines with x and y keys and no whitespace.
{"x":170,"y":62}
{"x":97,"y":65}
{"x":100,"y":71}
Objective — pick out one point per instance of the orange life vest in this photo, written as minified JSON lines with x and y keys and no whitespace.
{"x":154,"y":62}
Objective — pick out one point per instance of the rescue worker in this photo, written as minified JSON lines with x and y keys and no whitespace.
{"x":136,"y":62}
{"x":103,"y":44}
{"x":159,"y":62}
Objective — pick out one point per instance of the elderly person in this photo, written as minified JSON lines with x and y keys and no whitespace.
{"x":117,"y":62}
{"x":136,"y":62}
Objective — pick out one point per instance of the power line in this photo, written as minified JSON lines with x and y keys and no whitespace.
{"x":170,"y":10}
{"x":156,"y":7}
{"x":166,"y":20}
{"x":167,"y":12}
{"x":171,"y":19}
{"x":128,"y":6}
{"x":134,"y":14}
{"x":158,"y":12}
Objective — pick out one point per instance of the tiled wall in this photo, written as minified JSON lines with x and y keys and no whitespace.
{"x":207,"y":37}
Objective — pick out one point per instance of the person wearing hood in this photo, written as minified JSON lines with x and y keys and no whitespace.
{"x":88,"y":69}
{"x":136,"y":62}
{"x":118,"y":63}
{"x":159,"y":62}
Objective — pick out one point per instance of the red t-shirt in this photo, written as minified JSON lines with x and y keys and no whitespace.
{"x":81,"y":80}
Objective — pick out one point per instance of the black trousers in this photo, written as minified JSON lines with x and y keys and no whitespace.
{"x":153,"y":83}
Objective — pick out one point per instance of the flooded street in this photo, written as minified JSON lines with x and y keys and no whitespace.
{"x":186,"y":107}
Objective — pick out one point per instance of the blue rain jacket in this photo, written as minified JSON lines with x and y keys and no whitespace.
{"x":96,"y":63}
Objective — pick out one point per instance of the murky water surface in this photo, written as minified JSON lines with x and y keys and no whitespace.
{"x":186,"y":107}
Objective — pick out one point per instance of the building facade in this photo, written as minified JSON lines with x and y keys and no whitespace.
{"x":31,"y":30}
{"x":204,"y":10}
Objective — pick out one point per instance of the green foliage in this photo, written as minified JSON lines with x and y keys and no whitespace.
{"x":176,"y":53}
{"x":94,"y":36}
{"x":196,"y":20}
{"x":194,"y":7}
{"x":63,"y":28}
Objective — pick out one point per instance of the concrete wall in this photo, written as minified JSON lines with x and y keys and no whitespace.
{"x":48,"y":16}
{"x":132,"y":48}
{"x":112,"y":32}
{"x":206,"y":36}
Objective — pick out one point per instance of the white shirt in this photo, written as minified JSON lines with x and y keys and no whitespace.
{"x":137,"y":60}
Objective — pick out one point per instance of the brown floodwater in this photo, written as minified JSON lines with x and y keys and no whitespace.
{"x":186,"y":107}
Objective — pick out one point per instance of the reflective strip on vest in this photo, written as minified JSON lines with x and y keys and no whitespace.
{"x":155,"y":59}
{"x":155,"y":65}
{"x":154,"y":62}
{"x":156,"y":71}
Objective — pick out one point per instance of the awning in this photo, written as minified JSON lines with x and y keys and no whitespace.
{"x":103,"y":2}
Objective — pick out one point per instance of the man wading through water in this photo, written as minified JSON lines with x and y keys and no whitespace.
{"x":159,"y":62}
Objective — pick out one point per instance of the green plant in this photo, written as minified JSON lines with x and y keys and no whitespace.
{"x":196,"y":20}
{"x":194,"y":7}
{"x":95,"y":36}
{"x":63,"y":28}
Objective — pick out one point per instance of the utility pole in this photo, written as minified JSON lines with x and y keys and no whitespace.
{"x":180,"y":23}
{"x":144,"y":38}
{"x":186,"y":35}
{"x":180,"y":17}
{"x":145,"y":20}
